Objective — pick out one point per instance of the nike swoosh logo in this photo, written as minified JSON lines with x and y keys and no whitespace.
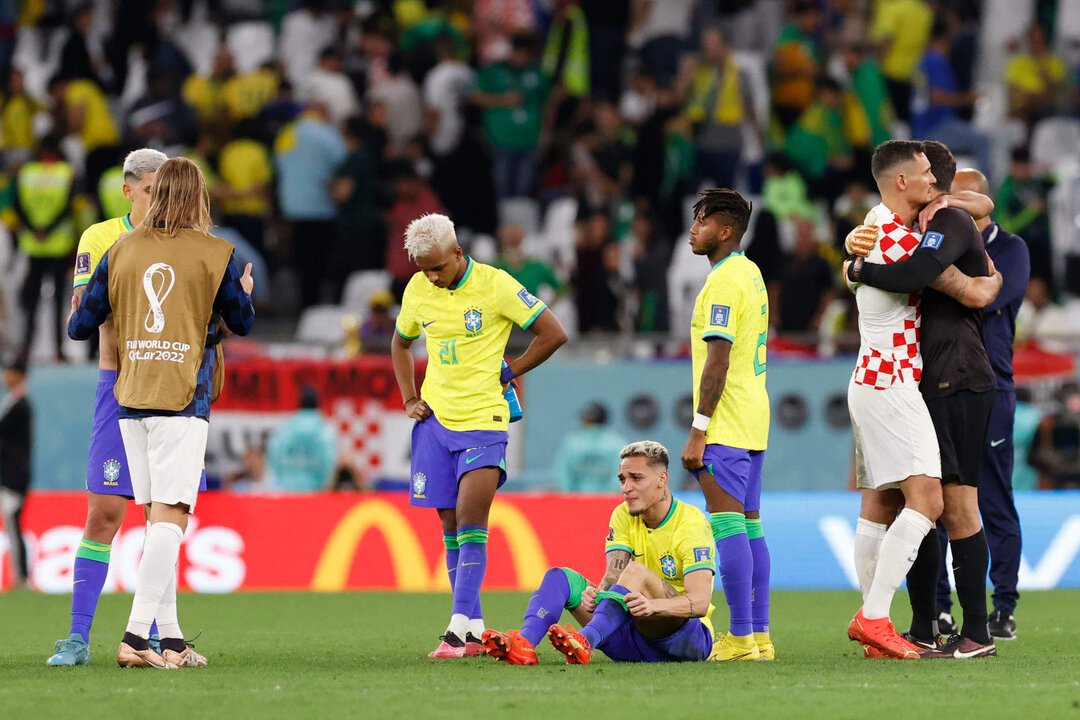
{"x":468,"y":564}
{"x":960,"y":655}
{"x":425,"y":324}
{"x":995,"y":443}
{"x":79,"y":581}
{"x":637,"y":554}
{"x":468,"y":461}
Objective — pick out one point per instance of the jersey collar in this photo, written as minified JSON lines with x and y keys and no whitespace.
{"x":125,"y":220}
{"x":468,"y":272}
{"x":721,"y":262}
{"x":674,"y":501}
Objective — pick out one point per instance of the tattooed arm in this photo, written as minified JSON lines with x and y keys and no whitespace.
{"x":710,"y":388}
{"x":617,"y":560}
{"x":972,"y":292}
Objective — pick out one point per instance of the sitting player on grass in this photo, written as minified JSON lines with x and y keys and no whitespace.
{"x":653,"y":604}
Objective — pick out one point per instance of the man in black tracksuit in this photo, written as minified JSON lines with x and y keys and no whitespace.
{"x":1010,"y":255}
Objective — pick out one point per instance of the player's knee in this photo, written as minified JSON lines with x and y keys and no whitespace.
{"x":634,"y":572}
{"x":102,"y":524}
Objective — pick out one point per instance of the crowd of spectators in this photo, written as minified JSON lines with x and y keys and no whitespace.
{"x":325,"y":126}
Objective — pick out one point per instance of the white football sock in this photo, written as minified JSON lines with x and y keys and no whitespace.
{"x":459,"y":625}
{"x":898,"y":550}
{"x":156,"y":568}
{"x":167,"y":622}
{"x":476,"y":627}
{"x":868,"y":536}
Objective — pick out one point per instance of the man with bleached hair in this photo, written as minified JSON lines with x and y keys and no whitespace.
{"x":466,"y":310}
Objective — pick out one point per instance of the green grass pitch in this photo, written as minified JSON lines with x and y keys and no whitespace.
{"x":365,"y":655}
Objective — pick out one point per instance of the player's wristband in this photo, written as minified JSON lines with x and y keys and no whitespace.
{"x":506,"y":375}
{"x":701,"y":422}
{"x":854,"y":271}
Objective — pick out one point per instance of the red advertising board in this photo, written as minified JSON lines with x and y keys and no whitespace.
{"x":325,"y":542}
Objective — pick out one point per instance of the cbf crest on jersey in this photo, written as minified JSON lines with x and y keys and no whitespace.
{"x":474,"y":322}
{"x":667,"y":564}
{"x":719,"y":315}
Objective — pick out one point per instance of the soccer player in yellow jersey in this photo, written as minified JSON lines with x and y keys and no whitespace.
{"x":466,"y":310}
{"x":653,"y":604}
{"x":108,"y":485}
{"x":730,"y":431}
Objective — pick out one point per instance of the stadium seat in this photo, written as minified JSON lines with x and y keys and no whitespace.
{"x":252,"y":44}
{"x":199,"y":41}
{"x":360,"y":286}
{"x":1055,"y":141}
{"x":321,"y":324}
{"x":558,"y":233}
{"x":483,"y":248}
{"x":521,"y":211}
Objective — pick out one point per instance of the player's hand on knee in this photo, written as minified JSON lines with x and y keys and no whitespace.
{"x":860,"y":241}
{"x":639,"y":605}
{"x":417,"y":409}
{"x":588,"y":599}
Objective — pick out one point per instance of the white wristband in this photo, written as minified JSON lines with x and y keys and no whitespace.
{"x":701,"y":422}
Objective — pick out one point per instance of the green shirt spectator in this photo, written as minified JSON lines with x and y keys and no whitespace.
{"x":533,"y":274}
{"x":512,"y":117}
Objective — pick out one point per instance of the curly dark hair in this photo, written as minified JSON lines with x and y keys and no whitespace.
{"x":726,"y":202}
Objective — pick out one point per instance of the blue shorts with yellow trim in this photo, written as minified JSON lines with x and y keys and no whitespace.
{"x":737,"y":472}
{"x":440,"y":457}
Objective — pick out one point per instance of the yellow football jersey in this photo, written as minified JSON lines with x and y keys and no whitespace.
{"x":734,"y":305}
{"x":466,"y":330}
{"x":94,"y":243}
{"x":99,"y":126}
{"x":679,"y":545}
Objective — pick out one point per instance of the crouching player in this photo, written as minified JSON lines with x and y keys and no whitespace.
{"x":654,"y":602}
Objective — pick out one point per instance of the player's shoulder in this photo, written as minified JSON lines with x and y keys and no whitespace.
{"x":417,"y":285}
{"x":99,"y":237}
{"x":620,"y":514}
{"x":688,"y":516}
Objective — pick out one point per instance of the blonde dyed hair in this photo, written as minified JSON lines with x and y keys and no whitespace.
{"x":429,"y":232}
{"x":179,"y":199}
{"x":653,"y":452}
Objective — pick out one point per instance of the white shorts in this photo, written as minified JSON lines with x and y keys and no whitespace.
{"x":894,"y":436}
{"x":165,"y":458}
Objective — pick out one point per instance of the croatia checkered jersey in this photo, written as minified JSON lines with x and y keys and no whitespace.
{"x":681,"y":544}
{"x":733,"y":305}
{"x":889,"y":323}
{"x":94,"y":243}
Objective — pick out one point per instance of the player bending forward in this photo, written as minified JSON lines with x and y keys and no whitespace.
{"x":655,"y":609}
{"x":459,"y":440}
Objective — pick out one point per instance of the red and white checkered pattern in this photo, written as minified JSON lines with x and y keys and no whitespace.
{"x":359,"y":423}
{"x":896,"y":242}
{"x":889,"y":324}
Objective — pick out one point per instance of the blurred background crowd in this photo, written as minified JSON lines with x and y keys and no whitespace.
{"x":566,"y":138}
